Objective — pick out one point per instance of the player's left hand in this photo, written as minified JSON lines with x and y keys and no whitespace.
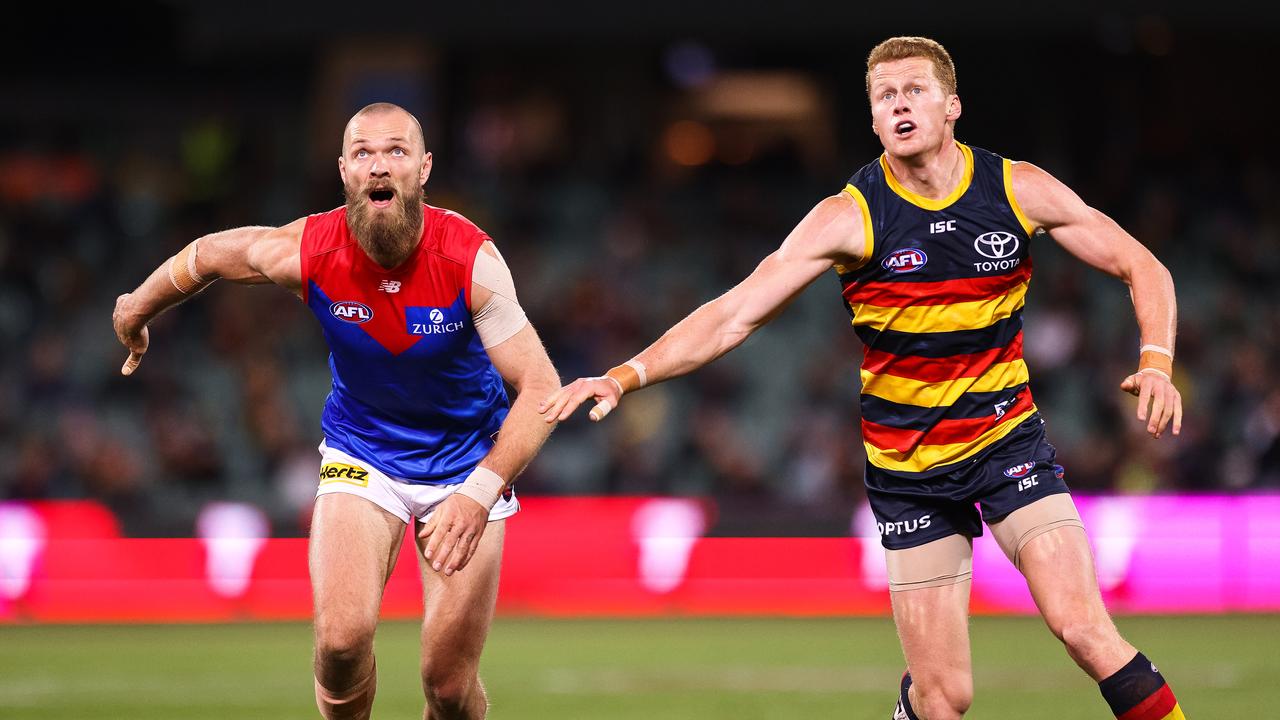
{"x":1158,"y":401}
{"x":452,"y":533}
{"x":606,"y":391}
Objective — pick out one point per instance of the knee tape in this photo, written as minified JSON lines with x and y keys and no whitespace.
{"x":354,"y":703}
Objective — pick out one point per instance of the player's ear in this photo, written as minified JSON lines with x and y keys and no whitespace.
{"x":342,"y":169}
{"x":426,"y":169}
{"x":953,"y":107}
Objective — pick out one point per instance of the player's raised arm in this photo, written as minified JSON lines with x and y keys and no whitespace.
{"x":832,"y":233}
{"x":453,"y":532}
{"x":1096,"y":239}
{"x":248,"y":255}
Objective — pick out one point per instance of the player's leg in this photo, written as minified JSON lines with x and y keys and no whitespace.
{"x":459,"y":610}
{"x":355,"y":539}
{"x":926,"y":533}
{"x":1047,"y":542}
{"x":352,"y":550}
{"x":929,"y":587}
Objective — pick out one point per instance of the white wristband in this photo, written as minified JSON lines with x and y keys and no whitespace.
{"x":484,"y":486}
{"x":1156,"y":349}
{"x":640,"y":370}
{"x":1156,"y":371}
{"x":618,"y":384}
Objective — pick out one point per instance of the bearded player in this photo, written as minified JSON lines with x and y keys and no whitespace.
{"x":422,"y":320}
{"x":931,"y":245}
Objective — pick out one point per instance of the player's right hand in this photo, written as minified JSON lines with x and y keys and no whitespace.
{"x":132,"y":332}
{"x":604,"y":390}
{"x":1159,"y":402}
{"x":451,"y":534}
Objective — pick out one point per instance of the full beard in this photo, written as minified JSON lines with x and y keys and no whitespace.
{"x":386,"y":237}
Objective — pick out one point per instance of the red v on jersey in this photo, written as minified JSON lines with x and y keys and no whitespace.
{"x":376,"y":299}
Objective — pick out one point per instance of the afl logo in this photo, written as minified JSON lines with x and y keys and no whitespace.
{"x":905,"y":260}
{"x":350,"y":311}
{"x":437,"y":317}
{"x":1018,"y":471}
{"x":996,"y":245}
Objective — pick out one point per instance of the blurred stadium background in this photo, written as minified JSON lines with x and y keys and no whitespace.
{"x":631,"y":162}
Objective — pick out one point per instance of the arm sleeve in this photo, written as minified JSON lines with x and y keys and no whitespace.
{"x":501,"y":316}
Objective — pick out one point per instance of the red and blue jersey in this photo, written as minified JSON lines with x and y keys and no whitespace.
{"x":414,"y":393}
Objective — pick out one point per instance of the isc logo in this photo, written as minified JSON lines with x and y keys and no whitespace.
{"x":350,"y":311}
{"x":905,"y":260}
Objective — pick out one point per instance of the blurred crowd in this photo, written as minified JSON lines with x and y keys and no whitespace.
{"x":623,"y":194}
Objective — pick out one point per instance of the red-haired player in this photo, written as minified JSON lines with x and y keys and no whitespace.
{"x":931,"y":244}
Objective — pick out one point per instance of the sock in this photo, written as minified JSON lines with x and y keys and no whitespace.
{"x":353,"y":704}
{"x":1138,"y":692}
{"x":903,"y":711}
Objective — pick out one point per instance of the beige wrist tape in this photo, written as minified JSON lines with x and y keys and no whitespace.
{"x":182,"y":270}
{"x":1157,"y":360}
{"x":630,"y":375}
{"x":484,"y":486}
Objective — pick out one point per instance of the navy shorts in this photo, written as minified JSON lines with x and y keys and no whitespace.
{"x":1018,"y":471}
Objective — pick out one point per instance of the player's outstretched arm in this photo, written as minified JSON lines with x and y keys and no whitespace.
{"x":1099,"y":241}
{"x":453,"y":531}
{"x":832,"y":233}
{"x":244,"y":255}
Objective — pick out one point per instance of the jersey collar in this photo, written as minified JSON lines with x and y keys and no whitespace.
{"x":929,"y":203}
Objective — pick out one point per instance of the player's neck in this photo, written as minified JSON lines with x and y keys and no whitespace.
{"x":930,"y":174}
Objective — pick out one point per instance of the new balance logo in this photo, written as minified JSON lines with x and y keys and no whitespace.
{"x":389,"y":286}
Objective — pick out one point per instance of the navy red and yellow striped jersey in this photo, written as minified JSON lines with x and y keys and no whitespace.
{"x":937,"y":303}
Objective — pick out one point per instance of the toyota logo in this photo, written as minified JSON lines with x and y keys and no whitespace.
{"x":996,"y":245}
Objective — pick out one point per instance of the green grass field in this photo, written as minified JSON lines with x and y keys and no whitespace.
{"x":1221,"y":667}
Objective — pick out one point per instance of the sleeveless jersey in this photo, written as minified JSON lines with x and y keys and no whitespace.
{"x":414,"y":393}
{"x":938,"y":306}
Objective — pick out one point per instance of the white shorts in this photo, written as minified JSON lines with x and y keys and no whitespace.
{"x":342,"y":473}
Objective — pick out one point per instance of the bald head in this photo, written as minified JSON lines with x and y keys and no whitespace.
{"x":380,"y":114}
